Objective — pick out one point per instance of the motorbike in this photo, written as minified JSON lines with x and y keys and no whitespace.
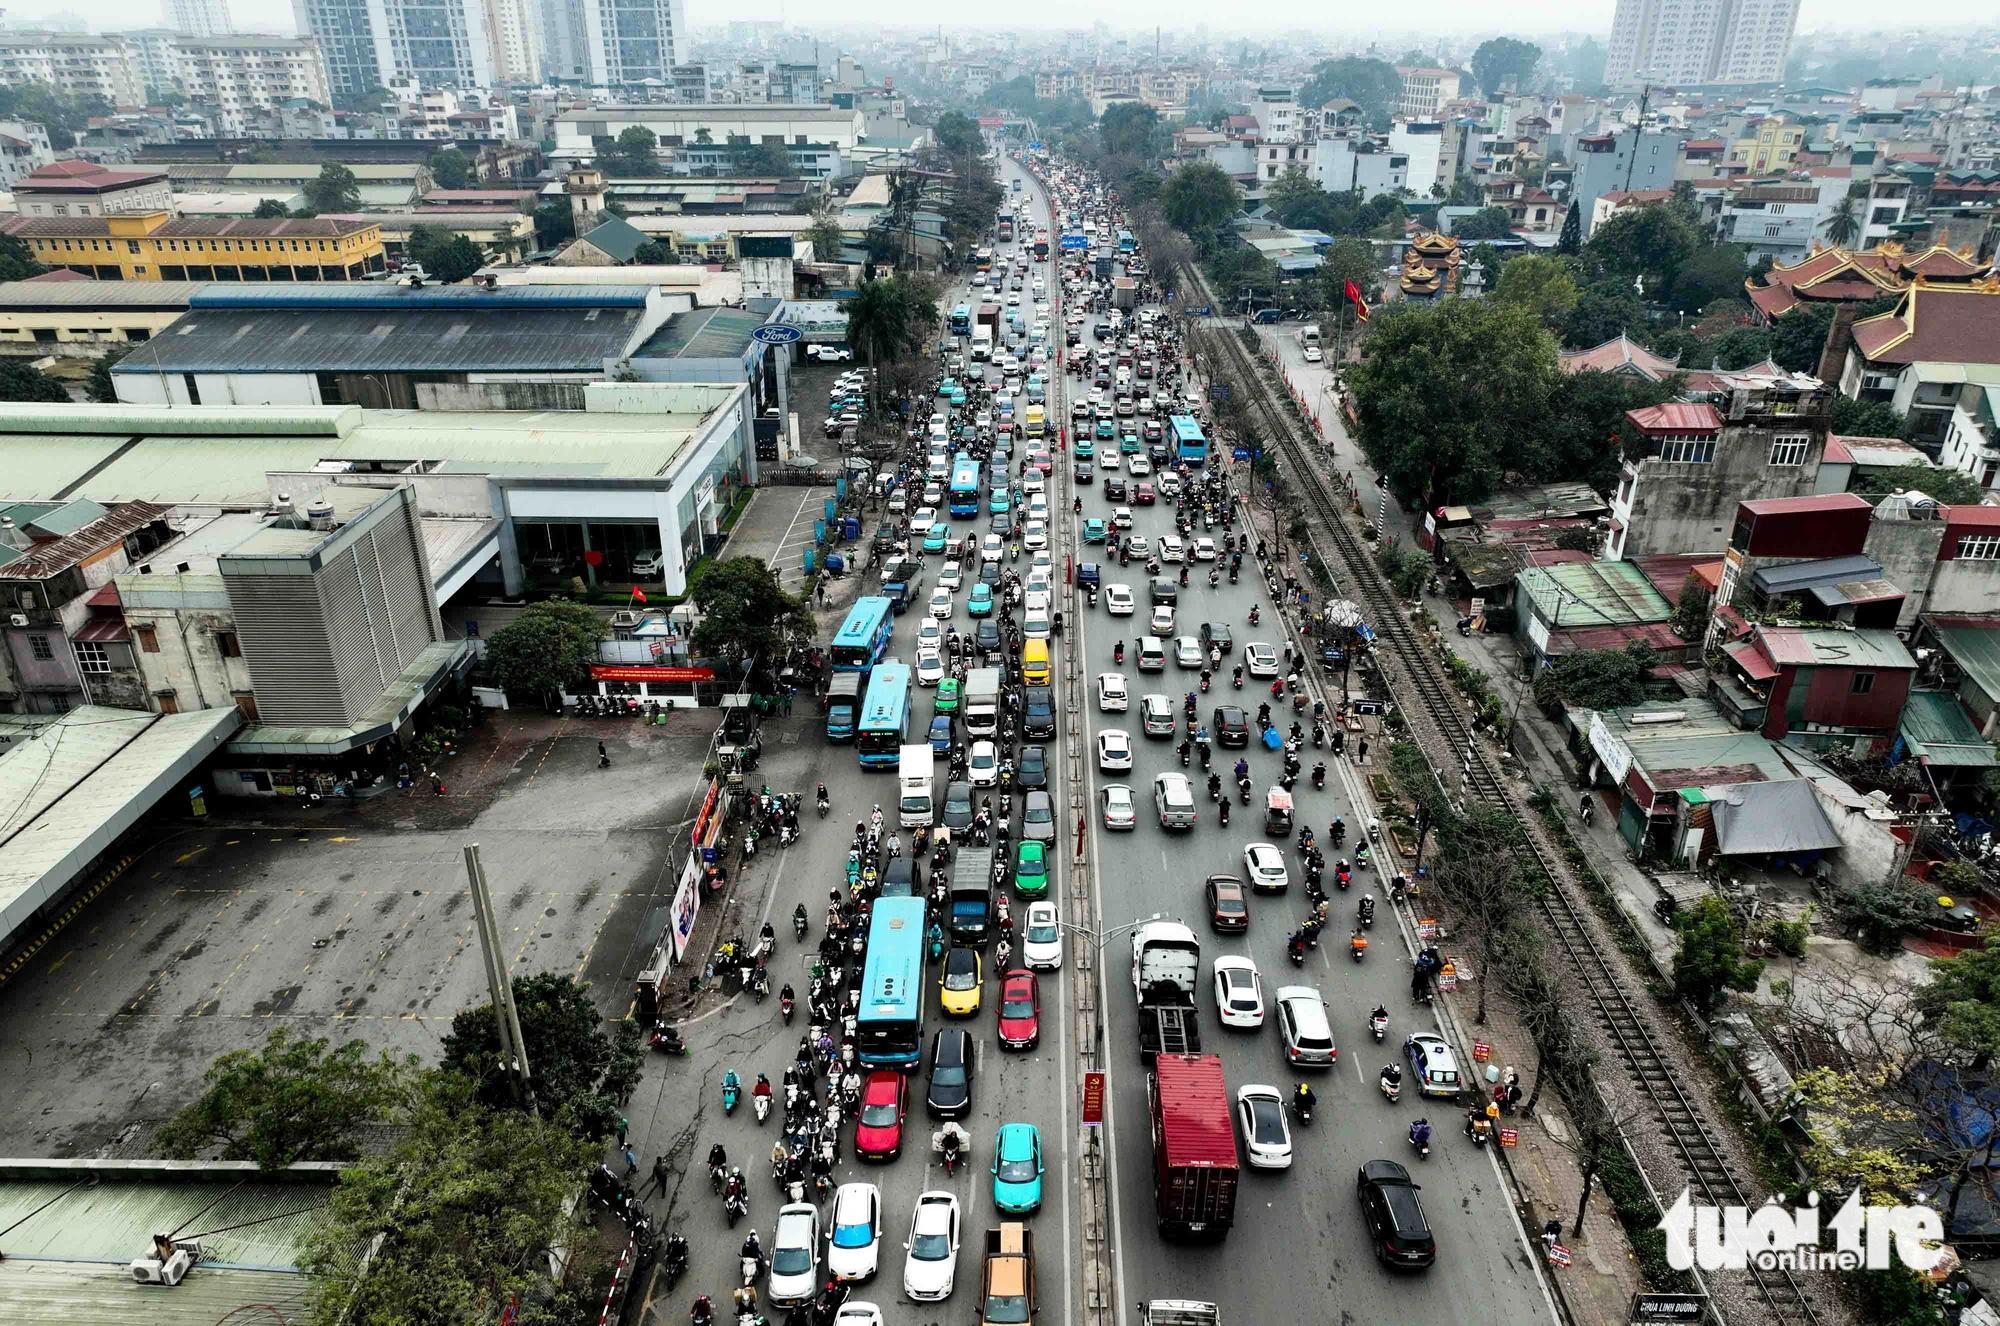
{"x":1319,"y":776}
{"x":735,"y":1208}
{"x":1295,"y":949}
{"x":1302,"y":1106}
{"x":750,"y":1264}
{"x":1358,"y":946}
{"x":668,"y":1041}
{"x":730,"y":1091}
{"x":1222,"y":810}
{"x":785,"y":1008}
{"x":1479,"y":1130}
{"x":1378,"y":1024}
{"x":718,"y":1174}
{"x":1420,"y":1138}
{"x":799,"y":923}
{"x":824,"y":806}
{"x":674,"y":1260}
{"x":1391,"y":1083}
{"x":701,"y":1314}
{"x":1243,"y":789}
{"x":1236,"y":679}
{"x":1365,"y":912}
{"x":763,"y":1107}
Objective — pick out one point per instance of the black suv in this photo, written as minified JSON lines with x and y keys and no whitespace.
{"x":1032,"y":769}
{"x":1163,"y":589}
{"x":1217,"y":634}
{"x":1038,"y":719}
{"x":1395,"y":1217}
{"x":1231,"y":727}
{"x":949,"y":1095}
{"x":957,"y":805}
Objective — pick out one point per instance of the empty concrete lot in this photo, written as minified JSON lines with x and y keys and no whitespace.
{"x":355,"y":925}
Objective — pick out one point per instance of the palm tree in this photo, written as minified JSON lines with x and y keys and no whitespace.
{"x":879,"y":327}
{"x":1842,"y":224}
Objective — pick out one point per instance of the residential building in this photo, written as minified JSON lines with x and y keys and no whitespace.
{"x":691,"y":84}
{"x":503,"y":234}
{"x":702,"y":135}
{"x":1818,"y":687}
{"x":380,"y":43}
{"x":154,"y":48}
{"x":235,"y":78}
{"x":1627,"y":158}
{"x":1774,"y":145}
{"x":1421,"y":142}
{"x":200,"y":18}
{"x":1780,"y":221}
{"x":1425,"y":91}
{"x":1972,"y":438}
{"x":86,"y":319}
{"x":24,"y":149}
{"x":1353,"y":159}
{"x":1574,"y":606}
{"x":1690,"y":464}
{"x":152,"y":246}
{"x":514,"y":36}
{"x":1277,"y":114}
{"x":1920,"y":357}
{"x":613,"y":43}
{"x":75,"y":187}
{"x":74,"y":64}
{"x":1660,"y":41}
{"x":1607,"y":205}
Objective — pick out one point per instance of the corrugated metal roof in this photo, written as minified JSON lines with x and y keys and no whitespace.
{"x":100,"y":1294}
{"x":703,"y":333}
{"x":373,"y":340}
{"x":63,"y":520}
{"x":1595,"y":594}
{"x":1797,"y":646}
{"x":384,"y":295}
{"x":86,"y":541}
{"x":32,"y":295}
{"x":1793,"y":577}
{"x":1974,"y":644}
{"x":1938,"y":732}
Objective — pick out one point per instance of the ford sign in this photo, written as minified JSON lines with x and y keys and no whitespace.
{"x":776,"y":335}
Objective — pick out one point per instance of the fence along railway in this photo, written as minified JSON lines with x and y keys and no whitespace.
{"x":1450,"y":741}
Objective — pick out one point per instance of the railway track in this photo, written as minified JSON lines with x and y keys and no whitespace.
{"x":1678,"y":1117}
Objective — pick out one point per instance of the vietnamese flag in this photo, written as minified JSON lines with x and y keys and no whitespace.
{"x":638,"y":594}
{"x":1360,"y":304}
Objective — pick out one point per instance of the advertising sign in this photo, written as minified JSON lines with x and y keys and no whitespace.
{"x":1510,"y":1137}
{"x":1093,"y":1099}
{"x":686,"y":907}
{"x":776,"y":334}
{"x":610,"y":672}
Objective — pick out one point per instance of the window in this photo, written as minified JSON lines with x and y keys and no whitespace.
{"x":1861,"y":683}
{"x":227,"y":642}
{"x":39,"y":648}
{"x":1971,"y":548}
{"x":1687,"y":450}
{"x":91,"y":656}
{"x":1788,"y":450}
{"x":149,"y":638}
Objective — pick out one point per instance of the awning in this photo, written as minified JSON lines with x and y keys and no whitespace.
{"x":1752,"y":660}
{"x":100,"y":631}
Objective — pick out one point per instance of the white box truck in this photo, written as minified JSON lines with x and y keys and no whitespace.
{"x":914,"y":807}
{"x":982,"y":702}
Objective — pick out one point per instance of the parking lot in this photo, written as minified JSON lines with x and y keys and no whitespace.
{"x":349,"y":922}
{"x":810,"y":383}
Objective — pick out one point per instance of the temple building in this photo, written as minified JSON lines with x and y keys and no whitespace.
{"x":1854,"y":276}
{"x":1430,"y":267}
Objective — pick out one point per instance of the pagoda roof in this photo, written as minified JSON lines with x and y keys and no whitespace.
{"x":1840,"y":274}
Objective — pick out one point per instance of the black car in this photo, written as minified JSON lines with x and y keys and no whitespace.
{"x":957,"y":805}
{"x":899,"y":878}
{"x":1164,"y":589}
{"x":1114,"y":490}
{"x":986,"y":636}
{"x":1085,"y":472}
{"x":1157,"y":453}
{"x":1032,"y":769}
{"x":1002,"y":523}
{"x":1039,"y":712}
{"x":1395,"y":1217}
{"x":989,"y":574}
{"x":1232,"y":727}
{"x":949,"y":1095}
{"x":1217,"y":634}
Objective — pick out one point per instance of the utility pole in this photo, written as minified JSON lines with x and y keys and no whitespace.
{"x":506,"y":1020}
{"x":1638,"y":132}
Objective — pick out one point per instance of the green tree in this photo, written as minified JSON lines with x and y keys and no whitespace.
{"x":1576,"y":436}
{"x":1464,"y":192}
{"x":568,"y":1052}
{"x":294,"y":1100}
{"x":101,"y":389}
{"x":1709,"y":962}
{"x":1692,"y":609}
{"x":1374,"y":85}
{"x":1500,"y":60}
{"x":1200,"y":199}
{"x":451,"y":168}
{"x":1603,"y":312}
{"x":1714,"y":272}
{"x":1843,"y":222}
{"x":1951,"y":487}
{"x":446,"y":258}
{"x":1961,"y":1003}
{"x":456,"y":1218}
{"x":1487,"y":223}
{"x":1651,"y":242}
{"x":22,"y":381}
{"x":747,"y":618}
{"x":1740,"y":347}
{"x":762,"y":159}
{"x":1542,"y":284}
{"x":550,"y":646}
{"x":878,"y":322}
{"x":269,"y":209}
{"x":17,"y":260}
{"x":334,"y":189}
{"x":1852,"y":418}
{"x":1237,"y":271}
{"x":1128,"y":129}
{"x":827,"y":236}
{"x":1488,"y":877}
{"x":1596,"y":678}
{"x":958,"y":134}
{"x":554,"y":223}
{"x":637,"y":153}
{"x":1881,"y":912}
{"x":1349,"y":259}
{"x":1446,"y":393}
{"x":655,"y":254}
{"x":1570,"y":242}
{"x":1798,"y":336}
{"x":1295,"y":199}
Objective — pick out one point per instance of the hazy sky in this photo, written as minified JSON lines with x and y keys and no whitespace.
{"x":1527,"y":17}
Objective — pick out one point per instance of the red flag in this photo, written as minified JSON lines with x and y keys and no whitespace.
{"x":639,"y":594}
{"x":1360,"y":304}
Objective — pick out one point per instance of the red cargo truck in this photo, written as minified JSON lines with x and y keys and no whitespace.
{"x":1194,"y":1147}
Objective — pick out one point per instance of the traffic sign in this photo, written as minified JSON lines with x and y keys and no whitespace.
{"x":1075,"y":241}
{"x":1034,"y":147}
{"x":774,"y":334}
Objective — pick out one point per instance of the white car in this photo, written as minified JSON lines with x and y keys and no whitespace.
{"x":1107,"y":456}
{"x":1119,"y":811}
{"x":1035,"y":535}
{"x":932,"y":1247}
{"x":1169,"y":484}
{"x":1112,"y":695}
{"x":795,"y":1255}
{"x":920,"y":524}
{"x":1203,"y":549}
{"x":1172,"y":549}
{"x":991,"y":548}
{"x":858,"y":1313}
{"x":1264,"y":864}
{"x":1260,"y":659}
{"x":940,"y":603}
{"x":1187,"y":651}
{"x":899,"y":502}
{"x":1432,"y":1064}
{"x":982,"y":765}
{"x":1239,"y":992}
{"x":1114,"y":750}
{"x":1140,"y":545}
{"x":1139,"y":467}
{"x":930,"y":634}
{"x":1162,"y":623}
{"x":1313,"y":354}
{"x":1267,"y":1133}
{"x":930,"y":667}
{"x":952,"y":576}
{"x":1041,"y":938}
{"x":1121,"y":518}
{"x":854,"y":1249}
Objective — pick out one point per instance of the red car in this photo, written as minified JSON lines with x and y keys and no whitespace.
{"x":1020,"y":1010}
{"x":1144,"y":495}
{"x":878,"y":1135}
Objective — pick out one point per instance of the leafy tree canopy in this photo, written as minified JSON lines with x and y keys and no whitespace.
{"x":1711,"y":273}
{"x":22,"y":381}
{"x":1448,"y":394}
{"x":1349,"y":259}
{"x":567,"y":1052}
{"x":1374,"y":85}
{"x":334,"y":189}
{"x":1128,"y":129}
{"x":1602,"y":312}
{"x":1852,"y":418}
{"x":1710,"y":962}
{"x":1651,"y":242}
{"x":17,"y":260}
{"x":296,"y":1099}
{"x":1961,"y":1003}
{"x":1502,"y":59}
{"x":1577,"y":435}
{"x":554,"y":223}
{"x":655,"y":254}
{"x":1541,"y":283}
{"x":549,"y":646}
{"x":746,"y":615}
{"x":446,"y":258}
{"x":269,"y":209}
{"x":1952,"y":487}
{"x":1200,"y":198}
{"x":958,"y":134}
{"x":1487,"y":223}
{"x":451,"y":168}
{"x":1596,"y":678}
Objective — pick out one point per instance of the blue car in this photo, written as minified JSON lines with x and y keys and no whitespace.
{"x":980,"y":602}
{"x":1017,"y":1168}
{"x":998,"y":501}
{"x":941,"y":734}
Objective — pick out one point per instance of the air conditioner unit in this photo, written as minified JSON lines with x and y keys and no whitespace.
{"x":153,"y":1271}
{"x":17,"y":619}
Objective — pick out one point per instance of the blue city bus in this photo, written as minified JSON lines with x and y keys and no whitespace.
{"x":1125,"y":242}
{"x":885,"y":716}
{"x":864,"y":637}
{"x":1189,"y":443}
{"x":961,"y":320}
{"x":965,"y":486}
{"x":889,"y":1027}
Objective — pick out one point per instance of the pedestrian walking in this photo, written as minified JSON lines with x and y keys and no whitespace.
{"x":1361,"y":752}
{"x":623,"y":1127}
{"x":604,"y":762}
{"x":631,"y":1163}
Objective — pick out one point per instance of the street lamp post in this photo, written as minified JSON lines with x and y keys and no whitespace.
{"x":1095,"y":942}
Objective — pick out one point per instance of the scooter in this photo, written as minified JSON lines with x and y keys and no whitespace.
{"x":729,"y":1093}
{"x":785,"y":1008}
{"x":735,"y":1208}
{"x":1358,"y":946}
{"x":1391,"y":1083}
{"x":668,"y":1041}
{"x":763,"y":1107}
{"x":1420,"y":1138}
{"x":750,"y":1266}
{"x":1378,"y":1025}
